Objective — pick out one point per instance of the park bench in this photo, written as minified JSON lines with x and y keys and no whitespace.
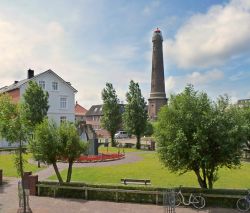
{"x":128,"y":145}
{"x":126,"y":181}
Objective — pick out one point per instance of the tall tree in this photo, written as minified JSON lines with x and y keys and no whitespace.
{"x":45,"y":145}
{"x":195,"y":134}
{"x":71,"y":147}
{"x":111,"y":119}
{"x":36,"y":103}
{"x":246,"y":115}
{"x":135,"y":115}
{"x":13,"y":127}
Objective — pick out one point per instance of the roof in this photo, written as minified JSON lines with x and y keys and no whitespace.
{"x":80,"y":110}
{"x":96,"y":110}
{"x":22,"y":82}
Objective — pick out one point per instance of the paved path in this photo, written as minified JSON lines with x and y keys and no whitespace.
{"x":9,"y":204}
{"x":131,"y":157}
{"x":9,"y":198}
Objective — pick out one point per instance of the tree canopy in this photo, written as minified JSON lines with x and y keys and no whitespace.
{"x":111,"y":119}
{"x":36,"y":103}
{"x":14,"y":128}
{"x":195,"y":134}
{"x":135,"y":115}
{"x":71,"y":147}
{"x":45,"y":145}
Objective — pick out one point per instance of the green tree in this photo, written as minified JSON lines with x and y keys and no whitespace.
{"x":71,"y":147}
{"x":45,"y":145}
{"x":149,"y":129}
{"x":13,"y":127}
{"x":111,"y":119}
{"x":246,"y":115}
{"x":195,"y":134}
{"x":135,"y":115}
{"x":36,"y":103}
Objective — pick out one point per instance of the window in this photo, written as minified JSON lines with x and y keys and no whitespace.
{"x":63,"y":119}
{"x":42,"y":84}
{"x":54,"y":86}
{"x":63,"y":102}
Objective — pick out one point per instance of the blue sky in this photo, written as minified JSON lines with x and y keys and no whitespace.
{"x":89,"y":43}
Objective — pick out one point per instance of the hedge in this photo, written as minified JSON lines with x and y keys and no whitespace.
{"x":221,"y":200}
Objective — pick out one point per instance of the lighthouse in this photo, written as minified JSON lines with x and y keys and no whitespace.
{"x":157,"y":96}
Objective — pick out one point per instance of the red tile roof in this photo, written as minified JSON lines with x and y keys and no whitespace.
{"x":79,"y":110}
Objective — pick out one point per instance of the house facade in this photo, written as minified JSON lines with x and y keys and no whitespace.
{"x":80,"y":112}
{"x":61,"y":94}
{"x":93,"y":117}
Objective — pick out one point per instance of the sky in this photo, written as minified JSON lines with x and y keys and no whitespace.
{"x":88,"y":43}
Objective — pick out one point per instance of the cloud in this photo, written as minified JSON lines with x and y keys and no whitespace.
{"x":212,"y":38}
{"x":150,"y":8}
{"x":42,"y":45}
{"x":239,"y":76}
{"x":177,"y":83}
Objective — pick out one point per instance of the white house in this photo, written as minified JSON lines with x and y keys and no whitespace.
{"x":61,"y":94}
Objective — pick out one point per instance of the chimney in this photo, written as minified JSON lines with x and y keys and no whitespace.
{"x":30,"y":73}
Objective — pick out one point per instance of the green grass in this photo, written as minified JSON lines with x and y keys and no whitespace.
{"x":160,"y":176}
{"x":8,"y":167}
{"x":116,"y":149}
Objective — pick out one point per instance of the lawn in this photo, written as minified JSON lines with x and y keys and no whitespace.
{"x":151,"y":168}
{"x":103,"y":149}
{"x":9,"y":169}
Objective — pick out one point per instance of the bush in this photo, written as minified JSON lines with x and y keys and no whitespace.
{"x":139,"y":198}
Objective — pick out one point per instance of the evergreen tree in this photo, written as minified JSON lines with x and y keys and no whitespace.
{"x":111,"y":119}
{"x":135,"y":115}
{"x":36,"y":103}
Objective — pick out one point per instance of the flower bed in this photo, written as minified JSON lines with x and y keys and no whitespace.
{"x":100,"y":158}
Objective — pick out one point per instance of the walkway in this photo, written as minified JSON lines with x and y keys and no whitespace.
{"x":131,"y":157}
{"x":9,"y":198}
{"x":9,"y":204}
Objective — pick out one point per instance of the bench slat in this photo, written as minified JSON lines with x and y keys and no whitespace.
{"x":135,"y":181}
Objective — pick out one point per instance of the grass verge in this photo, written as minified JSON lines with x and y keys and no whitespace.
{"x":9,"y":169}
{"x":151,"y":168}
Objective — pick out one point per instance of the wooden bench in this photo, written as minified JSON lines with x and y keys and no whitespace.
{"x":128,"y":145}
{"x":126,"y":181}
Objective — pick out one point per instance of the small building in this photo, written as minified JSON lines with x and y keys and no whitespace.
{"x":93,"y":117}
{"x":244,"y":102}
{"x":61,"y":95}
{"x":80,"y":112}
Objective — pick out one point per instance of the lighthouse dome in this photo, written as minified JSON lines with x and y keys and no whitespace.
{"x":157,"y":35}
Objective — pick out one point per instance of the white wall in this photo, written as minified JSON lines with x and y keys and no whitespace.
{"x":54,"y":112}
{"x":64,"y":90}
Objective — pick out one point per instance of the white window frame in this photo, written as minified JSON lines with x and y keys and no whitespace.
{"x":63,"y":119}
{"x":63,"y":102}
{"x":42,"y":84}
{"x":54,"y":86}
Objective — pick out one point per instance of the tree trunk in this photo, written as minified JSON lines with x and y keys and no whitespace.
{"x":57,"y":173}
{"x":113,"y":140}
{"x":138,"y":141}
{"x":22,"y":175}
{"x":210,"y":178}
{"x":69,"y":171}
{"x":201,"y":181}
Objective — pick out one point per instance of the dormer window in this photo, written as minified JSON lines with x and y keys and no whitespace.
{"x":42,"y":84}
{"x":54,"y":86}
